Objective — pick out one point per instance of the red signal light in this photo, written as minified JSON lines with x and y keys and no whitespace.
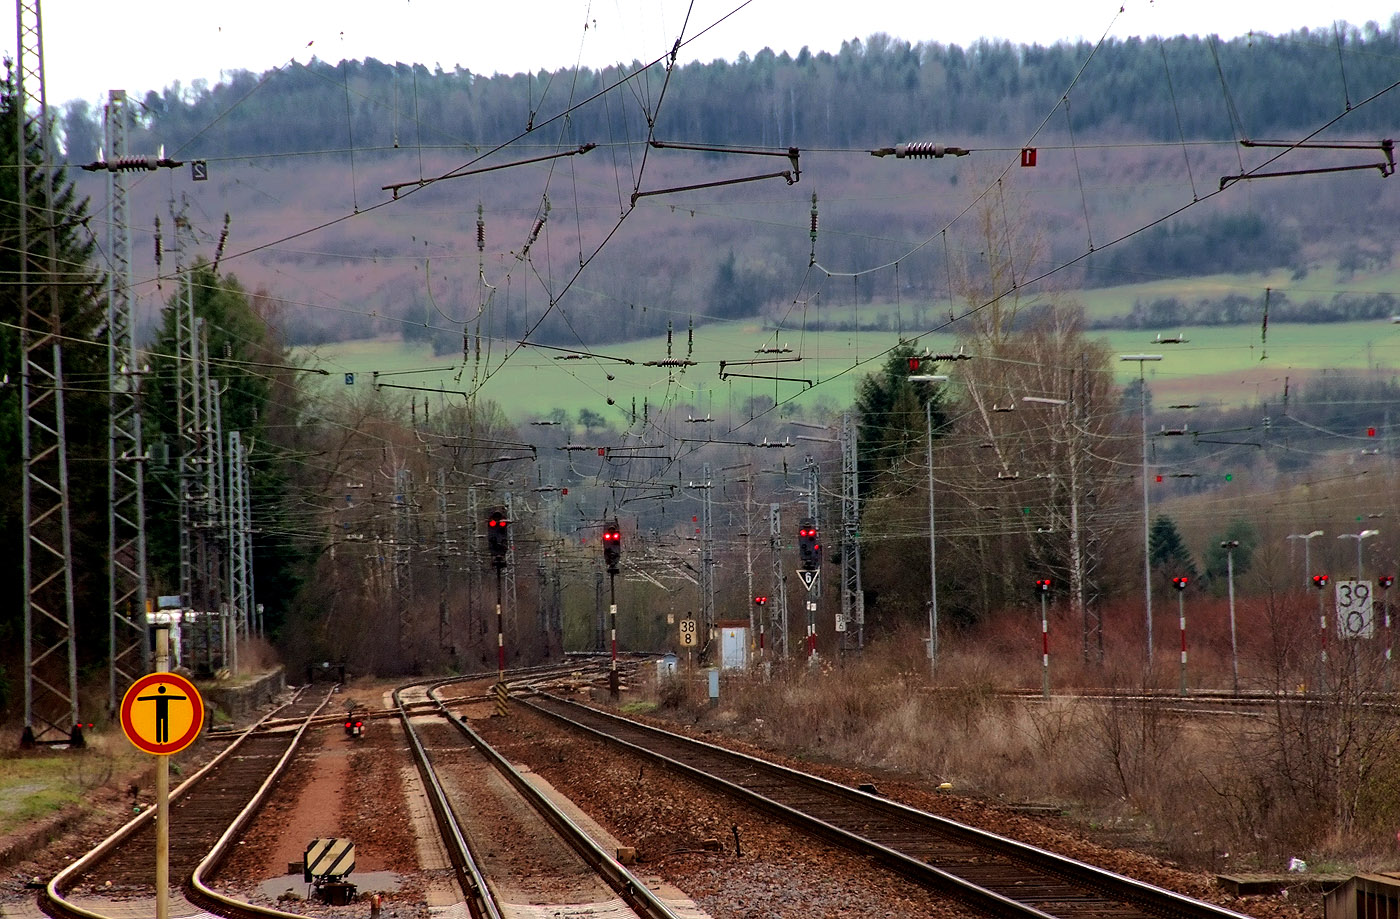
{"x":1370,"y":432}
{"x":1320,"y":581}
{"x":1386,"y":580}
{"x":1180,"y":583}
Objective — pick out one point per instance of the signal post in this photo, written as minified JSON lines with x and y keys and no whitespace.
{"x":612,"y":556}
{"x":1320,"y":581}
{"x":162,"y":714}
{"x":1042,"y":587}
{"x":809,"y":551}
{"x":1180,"y":584}
{"x":498,"y":542}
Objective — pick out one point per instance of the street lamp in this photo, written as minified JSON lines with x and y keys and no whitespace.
{"x":1307,"y":539}
{"x":1142,"y":360}
{"x":1359,"y":537}
{"x":932,"y":546}
{"x":1230,"y":545}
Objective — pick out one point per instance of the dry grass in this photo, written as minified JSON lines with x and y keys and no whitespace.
{"x":1209,"y":792}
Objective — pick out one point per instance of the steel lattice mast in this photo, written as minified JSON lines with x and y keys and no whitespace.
{"x":50,"y":649}
{"x":240,"y":549}
{"x":707,"y":555}
{"x":128,"y":638}
{"x":404,"y":530}
{"x":510,"y":595}
{"x":775,"y":547}
{"x":852,"y":593}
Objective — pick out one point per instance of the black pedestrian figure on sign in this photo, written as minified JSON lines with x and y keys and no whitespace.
{"x":162,"y":702}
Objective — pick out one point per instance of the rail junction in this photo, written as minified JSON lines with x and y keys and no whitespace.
{"x":518,"y":848}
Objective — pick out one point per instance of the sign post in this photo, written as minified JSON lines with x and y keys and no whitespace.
{"x":162,"y":714}
{"x":811,"y":579}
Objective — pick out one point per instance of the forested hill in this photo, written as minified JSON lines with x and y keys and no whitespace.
{"x":1127,"y":133}
{"x":869,"y":93}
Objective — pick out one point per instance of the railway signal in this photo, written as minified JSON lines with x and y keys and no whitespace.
{"x":1180,"y":584}
{"x":1042,"y":588}
{"x":1320,"y":581}
{"x":498,"y":542}
{"x":809,"y":550}
{"x":612,"y":555}
{"x":612,"y":546}
{"x":760,"y":602}
{"x":498,"y":537}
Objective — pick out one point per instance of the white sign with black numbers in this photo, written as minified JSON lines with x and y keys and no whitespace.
{"x":687,"y":633}
{"x":1355,"y":609}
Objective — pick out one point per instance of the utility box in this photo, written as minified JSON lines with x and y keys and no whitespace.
{"x":666,"y":667}
{"x":733,"y":644}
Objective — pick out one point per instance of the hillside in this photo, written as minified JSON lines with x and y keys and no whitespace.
{"x":569,"y":256}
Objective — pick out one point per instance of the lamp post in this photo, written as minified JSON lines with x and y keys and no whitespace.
{"x":1359,"y":537}
{"x":1142,"y":360}
{"x":1230,"y":546}
{"x":932,"y":546}
{"x":1307,"y":539}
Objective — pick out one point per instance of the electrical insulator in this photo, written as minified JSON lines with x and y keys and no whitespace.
{"x":924,"y":149}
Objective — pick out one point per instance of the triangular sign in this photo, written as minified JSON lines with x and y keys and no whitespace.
{"x":809,"y":578}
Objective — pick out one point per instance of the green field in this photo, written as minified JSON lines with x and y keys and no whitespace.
{"x":1227,"y":364}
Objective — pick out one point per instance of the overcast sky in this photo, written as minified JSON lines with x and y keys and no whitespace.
{"x":90,"y":48}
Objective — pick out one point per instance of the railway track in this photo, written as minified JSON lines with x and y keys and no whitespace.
{"x":994,"y":874}
{"x":511,"y":844}
{"x":210,"y":810}
{"x":203,"y":809}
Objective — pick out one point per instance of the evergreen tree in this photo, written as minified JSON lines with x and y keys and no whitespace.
{"x":259,"y":399}
{"x":1241,"y":531}
{"x":892,"y":417}
{"x":1168,"y":552}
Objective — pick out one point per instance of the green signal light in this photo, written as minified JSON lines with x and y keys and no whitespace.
{"x":1229,"y":476}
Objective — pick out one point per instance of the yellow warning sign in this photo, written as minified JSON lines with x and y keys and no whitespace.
{"x":162,"y":713}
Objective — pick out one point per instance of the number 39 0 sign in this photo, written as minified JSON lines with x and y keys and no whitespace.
{"x":1355,"y":616}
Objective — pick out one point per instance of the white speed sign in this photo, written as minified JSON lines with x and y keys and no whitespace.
{"x":1355,"y":610}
